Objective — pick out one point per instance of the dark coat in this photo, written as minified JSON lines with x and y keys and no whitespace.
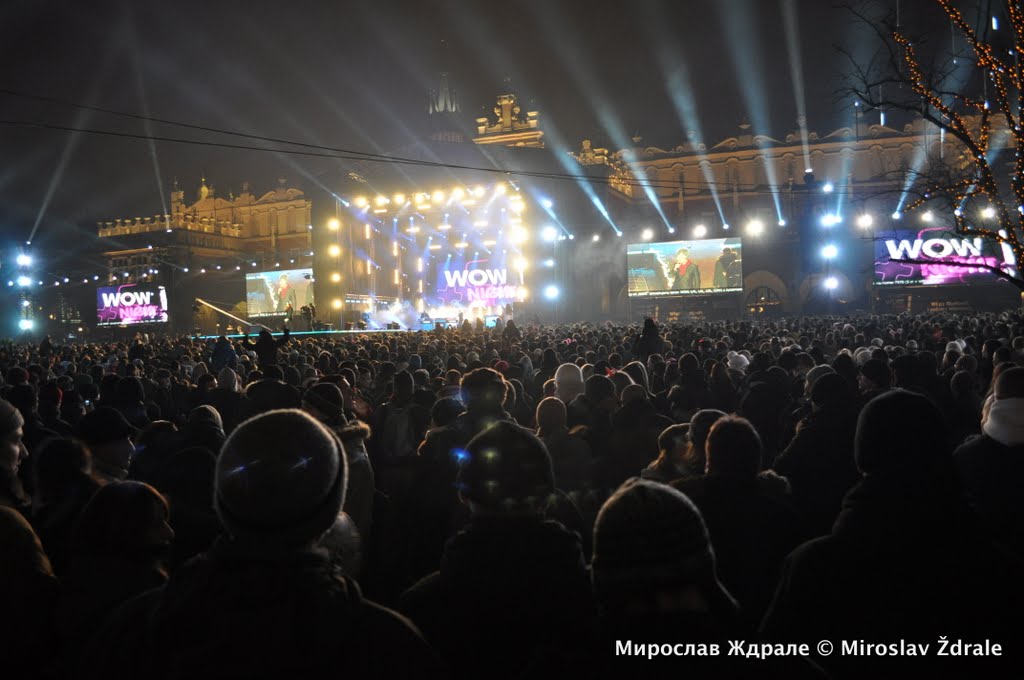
{"x":508,"y":590}
{"x":244,"y":613}
{"x":820,"y":467}
{"x":992,"y":474}
{"x":904,"y":561}
{"x":752,"y":528}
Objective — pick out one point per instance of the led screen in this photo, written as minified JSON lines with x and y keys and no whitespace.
{"x":706,"y":266}
{"x":278,"y":293}
{"x":131,"y":303}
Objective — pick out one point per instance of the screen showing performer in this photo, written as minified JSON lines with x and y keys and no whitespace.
{"x":278,"y":293}
{"x":706,"y":266}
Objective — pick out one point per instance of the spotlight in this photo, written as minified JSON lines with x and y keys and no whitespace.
{"x":647,"y":234}
{"x":25,"y":324}
{"x":549,"y":233}
{"x":831,"y":283}
{"x":755,"y":227}
{"x":334,"y":224}
{"x":700,"y":231}
{"x":399,"y":199}
{"x":547,"y":203}
{"x":896,"y":215}
{"x":437,"y":197}
{"x":829,"y":252}
{"x":829,"y":220}
{"x":361,"y":202}
{"x":458,"y":193}
{"x":381,"y":201}
{"x":479,"y":191}
{"x":671,"y":230}
{"x":335,"y":277}
{"x":549,"y":263}
{"x":725,"y":226}
{"x":24,"y":260}
{"x":500,"y":188}
{"x":827,"y":187}
{"x":551,"y":292}
{"x":24,"y":281}
{"x":782,"y":222}
{"x":518,"y":236}
{"x":595,"y":238}
{"x":927,"y":216}
{"x":958,"y":212}
{"x":865,"y":221}
{"x":336,"y":303}
{"x":333,"y":250}
{"x":521,"y":265}
{"x":185,"y":269}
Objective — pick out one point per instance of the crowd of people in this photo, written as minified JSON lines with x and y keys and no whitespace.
{"x":514,"y":502}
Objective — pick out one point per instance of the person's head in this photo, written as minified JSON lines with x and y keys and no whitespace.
{"x":831,"y":394}
{"x":24,"y":559}
{"x":673,"y":441}
{"x":59,"y":465}
{"x":880,"y":448}
{"x":1010,"y":384}
{"x":445,"y":411}
{"x":280,"y":480}
{"x":227,"y":379}
{"x":813,"y":375}
{"x":652,"y":554}
{"x":505,"y":470}
{"x":325,"y":402}
{"x":124,"y":520}
{"x":682,"y":256}
{"x":638,"y":372}
{"x":551,"y":416}
{"x":568,"y":382}
{"x":484,"y":389}
{"x":874,"y":375}
{"x":108,"y":435}
{"x":282,"y":282}
{"x":733,"y":449}
{"x":12,"y":449}
{"x":601,"y":392}
{"x":404,"y":385}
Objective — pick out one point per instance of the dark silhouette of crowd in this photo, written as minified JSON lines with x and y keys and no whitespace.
{"x":516,"y":502}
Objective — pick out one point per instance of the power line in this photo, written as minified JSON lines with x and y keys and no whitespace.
{"x":395,"y":160}
{"x":365,"y":155}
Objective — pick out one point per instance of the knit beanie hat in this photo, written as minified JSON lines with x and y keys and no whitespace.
{"x":326,"y":398}
{"x":877,"y":372}
{"x":737,"y":361}
{"x":880,"y":448}
{"x":649,"y":534}
{"x":817,"y":372}
{"x":281,"y":480}
{"x":505,"y":467}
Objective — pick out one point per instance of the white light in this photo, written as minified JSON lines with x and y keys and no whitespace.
{"x":755,"y":227}
{"x":595,"y":238}
{"x":827,"y":187}
{"x":25,"y":303}
{"x":647,"y":234}
{"x":829,"y":252}
{"x":521,"y":265}
{"x":96,"y":277}
{"x":549,"y":234}
{"x":67,"y":280}
{"x":549,"y":263}
{"x":725,"y":226}
{"x":185,"y":269}
{"x":831,"y":283}
{"x":551,"y":292}
{"x":671,"y":230}
{"x":782,"y":222}
{"x":24,"y":260}
{"x":958,"y":212}
{"x":829,"y":220}
{"x":865,"y":221}
{"x":24,"y":281}
{"x":547,"y":203}
{"x":700,"y":231}
{"x":927,"y":216}
{"x":896,"y":215}
{"x":25,"y":324}
{"x":988,"y":213}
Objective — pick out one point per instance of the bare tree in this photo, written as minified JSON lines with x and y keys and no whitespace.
{"x":957,"y":66}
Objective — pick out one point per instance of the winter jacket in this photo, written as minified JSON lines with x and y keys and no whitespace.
{"x":241,"y":612}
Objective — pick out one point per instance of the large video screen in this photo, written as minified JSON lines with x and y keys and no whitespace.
{"x":481,"y":282}
{"x":706,"y":266}
{"x":945,"y":258}
{"x":278,"y":293}
{"x":131,"y":303}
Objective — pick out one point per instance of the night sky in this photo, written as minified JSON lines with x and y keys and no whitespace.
{"x":354,"y":75}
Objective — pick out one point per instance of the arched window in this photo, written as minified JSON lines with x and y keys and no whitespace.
{"x":763,"y":299}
